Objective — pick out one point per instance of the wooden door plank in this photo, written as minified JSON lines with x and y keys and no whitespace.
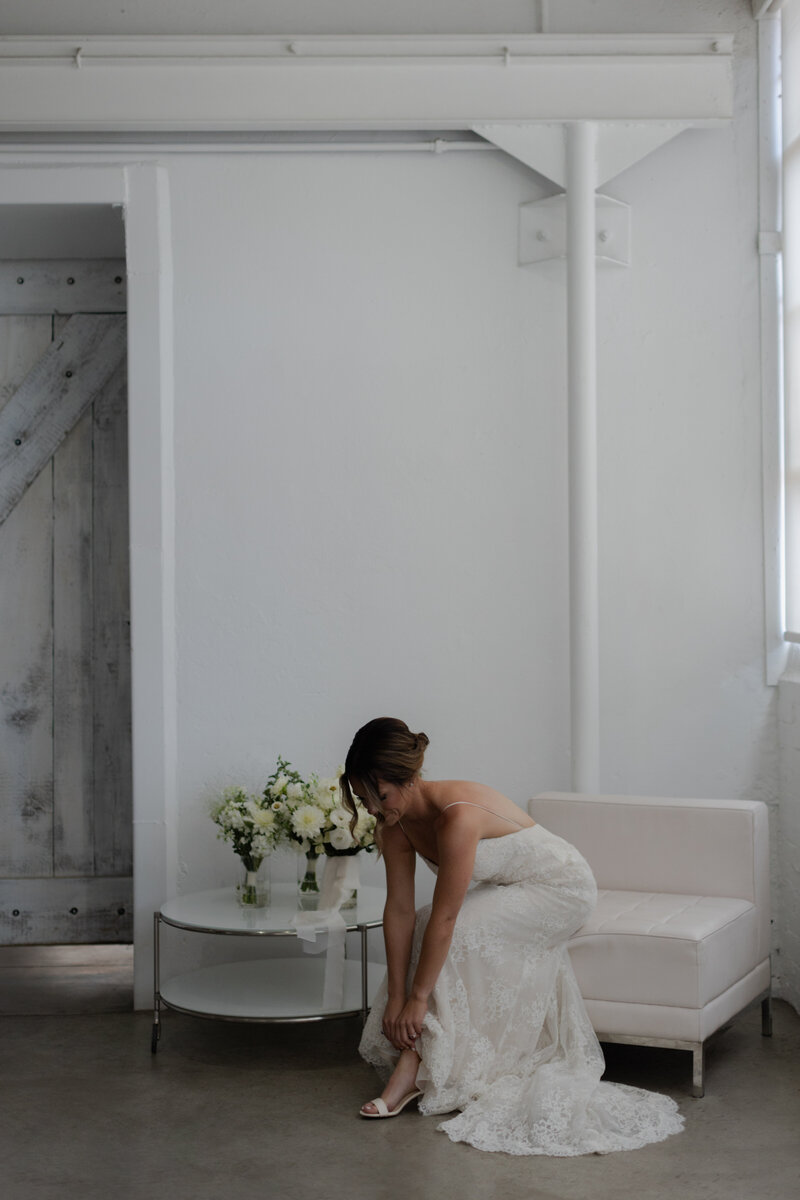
{"x":113,"y":801}
{"x":23,"y":340}
{"x":40,"y":910}
{"x":73,"y":752}
{"x":63,"y":285}
{"x":26,"y":646}
{"x":52,"y":397}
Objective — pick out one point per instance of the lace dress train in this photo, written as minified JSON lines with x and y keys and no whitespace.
{"x":506,"y":1038}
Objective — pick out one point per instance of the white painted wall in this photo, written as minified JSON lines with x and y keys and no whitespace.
{"x":371,"y":455}
{"x":371,"y":487}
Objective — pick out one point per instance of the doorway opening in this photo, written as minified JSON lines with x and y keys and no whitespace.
{"x":66,"y":918}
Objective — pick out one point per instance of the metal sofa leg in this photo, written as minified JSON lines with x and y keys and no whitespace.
{"x":698,"y":1064}
{"x":766,"y":1016}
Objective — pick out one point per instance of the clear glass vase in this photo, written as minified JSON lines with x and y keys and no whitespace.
{"x":253,"y":888}
{"x":307,"y":885}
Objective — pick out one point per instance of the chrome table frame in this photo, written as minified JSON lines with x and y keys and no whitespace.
{"x":361,"y":927}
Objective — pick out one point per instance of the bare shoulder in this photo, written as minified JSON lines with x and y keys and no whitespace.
{"x":467,"y":802}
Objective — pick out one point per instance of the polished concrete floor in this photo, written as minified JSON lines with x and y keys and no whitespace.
{"x":244,"y":1111}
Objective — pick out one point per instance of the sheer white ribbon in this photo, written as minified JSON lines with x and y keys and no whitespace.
{"x":325,"y":930}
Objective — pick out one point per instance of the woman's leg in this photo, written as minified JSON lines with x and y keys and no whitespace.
{"x":403,"y":1081}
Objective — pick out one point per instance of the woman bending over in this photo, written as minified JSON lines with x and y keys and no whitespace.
{"x":480,"y":1011}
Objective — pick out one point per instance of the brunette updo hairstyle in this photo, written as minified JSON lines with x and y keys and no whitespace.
{"x":382,"y":749}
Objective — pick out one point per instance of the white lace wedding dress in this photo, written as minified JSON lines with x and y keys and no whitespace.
{"x":506,"y":1037}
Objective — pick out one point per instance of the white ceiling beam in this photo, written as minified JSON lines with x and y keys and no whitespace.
{"x":214,"y":83}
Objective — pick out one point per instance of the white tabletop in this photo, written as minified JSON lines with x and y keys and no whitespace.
{"x":219,"y":911}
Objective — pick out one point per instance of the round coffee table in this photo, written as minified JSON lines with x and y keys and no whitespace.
{"x":279,"y":989}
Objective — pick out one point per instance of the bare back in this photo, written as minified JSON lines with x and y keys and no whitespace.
{"x":486,"y":810}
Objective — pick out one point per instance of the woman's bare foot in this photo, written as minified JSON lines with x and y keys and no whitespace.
{"x":403,"y":1081}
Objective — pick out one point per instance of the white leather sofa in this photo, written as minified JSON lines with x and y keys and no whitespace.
{"x":679,"y":941}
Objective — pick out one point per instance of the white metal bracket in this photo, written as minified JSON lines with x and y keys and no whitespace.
{"x":541,"y":145}
{"x":543,"y":230}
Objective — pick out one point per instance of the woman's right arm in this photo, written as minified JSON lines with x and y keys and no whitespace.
{"x":399,"y":915}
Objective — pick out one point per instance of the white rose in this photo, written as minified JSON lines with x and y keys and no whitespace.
{"x":339,"y":817}
{"x":341,"y":839}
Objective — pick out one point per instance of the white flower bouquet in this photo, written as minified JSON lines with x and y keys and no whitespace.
{"x":249,"y":823}
{"x":310,"y":815}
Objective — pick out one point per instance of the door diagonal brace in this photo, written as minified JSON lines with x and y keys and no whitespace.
{"x":52,"y":398}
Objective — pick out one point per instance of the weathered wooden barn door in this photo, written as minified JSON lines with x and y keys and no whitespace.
{"x":65,"y":760}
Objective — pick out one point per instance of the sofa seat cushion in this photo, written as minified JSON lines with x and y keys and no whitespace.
{"x":660,"y":948}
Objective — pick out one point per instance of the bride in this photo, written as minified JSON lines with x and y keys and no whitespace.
{"x":480,"y":1010}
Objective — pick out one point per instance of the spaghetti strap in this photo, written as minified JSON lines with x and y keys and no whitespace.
{"x":470,"y":804}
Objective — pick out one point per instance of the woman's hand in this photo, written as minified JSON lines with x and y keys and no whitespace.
{"x":391,"y":1014}
{"x":402,"y":1022}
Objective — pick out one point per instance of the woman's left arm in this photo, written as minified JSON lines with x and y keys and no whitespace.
{"x":457,"y":842}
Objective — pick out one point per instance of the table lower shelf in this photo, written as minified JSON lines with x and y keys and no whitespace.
{"x":272,"y":989}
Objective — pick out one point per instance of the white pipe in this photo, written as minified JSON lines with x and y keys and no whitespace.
{"x":772,"y":440}
{"x":232,"y":50}
{"x":138,"y":143}
{"x":581,"y":141}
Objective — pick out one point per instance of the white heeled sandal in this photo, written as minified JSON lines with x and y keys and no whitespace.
{"x":384,"y":1111}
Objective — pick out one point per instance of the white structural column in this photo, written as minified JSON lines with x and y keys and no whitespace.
{"x":581,"y":164}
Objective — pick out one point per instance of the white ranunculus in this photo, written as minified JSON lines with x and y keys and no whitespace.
{"x":339,"y":817}
{"x":307,"y":820}
{"x":341,"y":839}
